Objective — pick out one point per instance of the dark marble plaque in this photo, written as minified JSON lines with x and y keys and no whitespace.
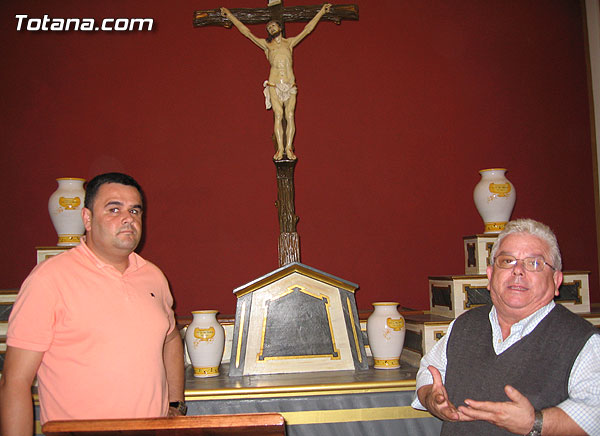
{"x":570,"y":292}
{"x":297,"y":325}
{"x":440,"y":296}
{"x":413,"y":341}
{"x":471,"y":259}
{"x":476,"y":296}
{"x":5,"y":311}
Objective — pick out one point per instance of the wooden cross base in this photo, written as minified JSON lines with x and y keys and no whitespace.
{"x":289,"y":241}
{"x":289,"y":248}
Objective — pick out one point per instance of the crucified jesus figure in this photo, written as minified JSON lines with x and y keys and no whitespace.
{"x":280,"y":89}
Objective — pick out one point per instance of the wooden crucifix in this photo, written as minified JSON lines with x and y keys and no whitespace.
{"x":280,"y":90}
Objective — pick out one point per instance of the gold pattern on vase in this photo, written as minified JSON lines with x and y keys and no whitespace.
{"x":495,"y":227}
{"x":69,"y":203}
{"x":501,"y":189}
{"x":387,"y":363}
{"x":69,"y":239}
{"x":204,"y":334}
{"x":206,"y":371}
{"x":395,"y":324}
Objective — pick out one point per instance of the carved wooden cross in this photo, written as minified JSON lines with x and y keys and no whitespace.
{"x":289,"y":243}
{"x":277,"y":12}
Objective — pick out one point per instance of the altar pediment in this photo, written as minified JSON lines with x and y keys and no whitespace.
{"x":296,"y":319}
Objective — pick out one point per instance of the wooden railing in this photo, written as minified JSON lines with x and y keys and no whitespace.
{"x":253,"y":424}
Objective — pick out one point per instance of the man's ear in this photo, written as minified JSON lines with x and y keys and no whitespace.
{"x":86,"y":217}
{"x":558,"y":278}
{"x":489,"y":270}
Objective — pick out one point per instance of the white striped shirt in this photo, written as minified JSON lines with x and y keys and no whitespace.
{"x":583,"y":404}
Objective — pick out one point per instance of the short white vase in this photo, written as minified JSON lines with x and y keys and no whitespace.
{"x":65,"y":206}
{"x":386,"y":330}
{"x":205,"y":341}
{"x":494,"y":198}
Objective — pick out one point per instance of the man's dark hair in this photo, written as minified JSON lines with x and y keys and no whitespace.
{"x":93,"y":185}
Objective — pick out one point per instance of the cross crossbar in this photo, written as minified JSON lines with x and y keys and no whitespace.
{"x":297,"y":14}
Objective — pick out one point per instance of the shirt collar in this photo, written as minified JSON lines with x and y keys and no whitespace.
{"x":519,"y":329}
{"x":135,"y":261}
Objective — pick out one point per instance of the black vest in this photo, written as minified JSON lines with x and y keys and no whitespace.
{"x":538,"y":365}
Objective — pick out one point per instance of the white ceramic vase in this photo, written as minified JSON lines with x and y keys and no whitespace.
{"x":65,"y":206}
{"x":494,"y":198}
{"x":386,"y":330}
{"x":205,"y":341}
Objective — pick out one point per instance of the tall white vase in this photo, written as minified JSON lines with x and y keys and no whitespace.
{"x":65,"y":206}
{"x":494,"y":198}
{"x":386,"y":330}
{"x":205,"y":341}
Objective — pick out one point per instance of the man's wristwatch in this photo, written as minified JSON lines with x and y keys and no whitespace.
{"x":179,"y":405}
{"x":537,"y":424}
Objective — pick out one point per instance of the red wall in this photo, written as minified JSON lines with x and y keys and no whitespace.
{"x":396,"y":114}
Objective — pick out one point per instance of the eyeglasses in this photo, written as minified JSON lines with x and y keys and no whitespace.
{"x":532,"y":264}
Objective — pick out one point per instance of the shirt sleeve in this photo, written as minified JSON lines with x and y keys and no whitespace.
{"x":435,"y":357}
{"x":32,"y":318}
{"x":583,"y":404}
{"x":167,"y":298}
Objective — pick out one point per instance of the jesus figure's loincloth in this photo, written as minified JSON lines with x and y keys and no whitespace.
{"x":284,"y":92}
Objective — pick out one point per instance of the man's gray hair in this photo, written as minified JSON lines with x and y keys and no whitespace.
{"x":535,"y":228}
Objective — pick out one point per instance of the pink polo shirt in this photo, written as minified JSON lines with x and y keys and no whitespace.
{"x":102,"y":334}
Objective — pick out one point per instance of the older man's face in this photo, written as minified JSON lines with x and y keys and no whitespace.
{"x":516,"y":292}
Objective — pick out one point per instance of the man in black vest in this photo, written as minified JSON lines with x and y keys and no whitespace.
{"x":523,"y":365}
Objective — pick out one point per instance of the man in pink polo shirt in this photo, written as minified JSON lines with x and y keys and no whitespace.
{"x":96,"y":325}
